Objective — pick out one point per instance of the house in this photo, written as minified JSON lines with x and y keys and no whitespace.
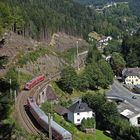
{"x":105,"y":39}
{"x":94,"y":36}
{"x":129,"y":113}
{"x":78,"y":111}
{"x":131,"y":76}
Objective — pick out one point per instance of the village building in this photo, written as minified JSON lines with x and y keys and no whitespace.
{"x":93,"y":36}
{"x":78,"y":111}
{"x":129,"y":113}
{"x":105,"y":39}
{"x":131,"y":76}
{"x":62,"y":111}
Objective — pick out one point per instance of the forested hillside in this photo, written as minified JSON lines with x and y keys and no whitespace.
{"x":131,"y":50}
{"x":39,"y":19}
{"x":134,"y":6}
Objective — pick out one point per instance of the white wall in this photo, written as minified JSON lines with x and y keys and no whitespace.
{"x":78,"y":118}
{"x":134,"y":120}
{"x":132,"y":80}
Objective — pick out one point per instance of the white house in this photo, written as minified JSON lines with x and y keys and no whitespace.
{"x":130,"y":114}
{"x":78,"y":111}
{"x":131,"y":76}
{"x":105,"y":39}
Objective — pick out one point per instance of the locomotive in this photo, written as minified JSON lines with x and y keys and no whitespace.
{"x":34,"y":82}
{"x":58,"y":132}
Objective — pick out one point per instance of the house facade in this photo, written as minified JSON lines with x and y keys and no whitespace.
{"x":129,"y":113}
{"x":105,"y":39}
{"x":78,"y":111}
{"x":131,"y":76}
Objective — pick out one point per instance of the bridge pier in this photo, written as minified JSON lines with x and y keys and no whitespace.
{"x":42,"y":96}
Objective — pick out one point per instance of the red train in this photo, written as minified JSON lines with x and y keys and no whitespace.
{"x":34,"y":82}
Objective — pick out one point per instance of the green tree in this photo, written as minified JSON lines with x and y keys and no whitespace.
{"x":95,"y":76}
{"x":69,"y":79}
{"x":109,"y":114}
{"x":3,"y":61}
{"x":106,"y":112}
{"x":117,"y":63}
{"x":106,"y":70}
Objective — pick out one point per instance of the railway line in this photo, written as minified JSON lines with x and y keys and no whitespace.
{"x":23,"y":118}
{"x":21,"y":102}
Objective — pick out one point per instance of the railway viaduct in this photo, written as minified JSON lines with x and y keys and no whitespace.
{"x":41,"y":95}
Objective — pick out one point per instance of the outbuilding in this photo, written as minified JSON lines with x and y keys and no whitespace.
{"x":129,"y":113}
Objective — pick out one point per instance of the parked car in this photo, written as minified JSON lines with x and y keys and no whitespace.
{"x":134,"y":97}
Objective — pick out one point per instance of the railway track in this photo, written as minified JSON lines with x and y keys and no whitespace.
{"x":21,"y":102}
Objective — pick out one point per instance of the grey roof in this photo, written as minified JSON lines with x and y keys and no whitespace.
{"x":131,"y":72}
{"x":50,"y":94}
{"x":60,"y":110}
{"x":79,"y":107}
{"x":127,"y":110}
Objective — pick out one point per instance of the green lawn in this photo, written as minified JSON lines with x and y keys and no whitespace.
{"x":77,"y":134}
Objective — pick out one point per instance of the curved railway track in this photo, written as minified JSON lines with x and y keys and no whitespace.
{"x":21,"y":101}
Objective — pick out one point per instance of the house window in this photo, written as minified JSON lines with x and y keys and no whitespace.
{"x":138,"y":119}
{"x":78,"y":120}
{"x":78,"y":113}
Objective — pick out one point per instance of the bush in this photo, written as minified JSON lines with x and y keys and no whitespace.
{"x":87,"y":123}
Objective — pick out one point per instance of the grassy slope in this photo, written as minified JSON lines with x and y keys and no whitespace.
{"x":77,"y":134}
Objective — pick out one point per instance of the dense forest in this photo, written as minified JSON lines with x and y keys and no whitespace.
{"x":133,"y":4}
{"x":131,"y":50}
{"x":39,"y":19}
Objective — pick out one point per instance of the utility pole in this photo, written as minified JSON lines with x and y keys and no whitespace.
{"x":15,"y":94}
{"x":18,"y":76}
{"x":95,"y":126}
{"x":77,"y":56}
{"x":10,"y":81}
{"x":50,"y":131}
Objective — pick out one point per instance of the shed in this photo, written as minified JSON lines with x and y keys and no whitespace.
{"x":50,"y":94}
{"x":60,"y":110}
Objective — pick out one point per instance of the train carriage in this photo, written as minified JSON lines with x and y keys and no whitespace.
{"x":34,"y":82}
{"x":58,"y":132}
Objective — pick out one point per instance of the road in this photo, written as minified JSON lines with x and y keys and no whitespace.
{"x":117,"y":89}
